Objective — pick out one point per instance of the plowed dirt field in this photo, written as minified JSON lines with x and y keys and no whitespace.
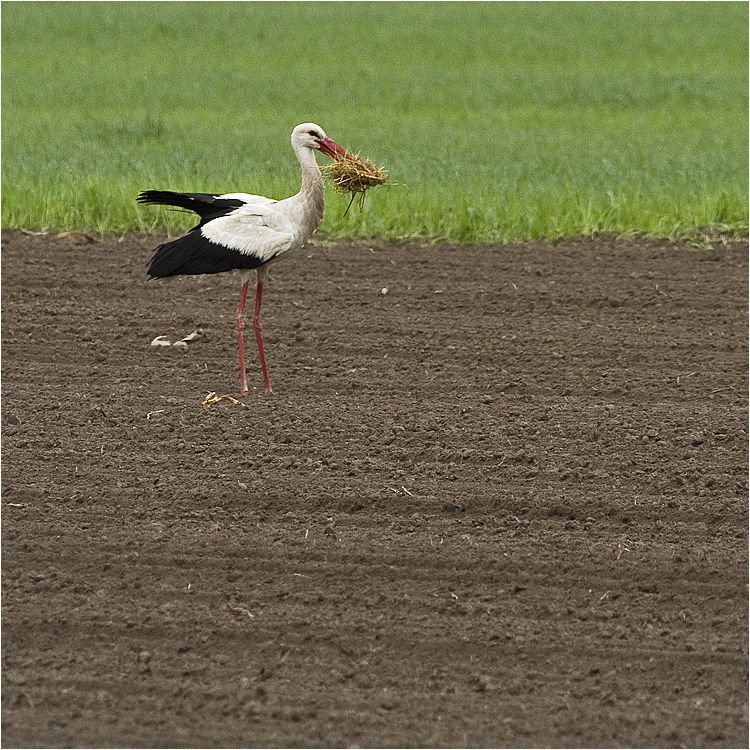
{"x":498,"y":500}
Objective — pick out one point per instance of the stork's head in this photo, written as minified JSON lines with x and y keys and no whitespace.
{"x":309,"y":135}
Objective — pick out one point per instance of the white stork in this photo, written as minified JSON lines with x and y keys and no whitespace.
{"x":248,"y":232}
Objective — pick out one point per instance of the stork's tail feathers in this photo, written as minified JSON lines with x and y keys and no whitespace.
{"x":197,"y":202}
{"x":207,"y":205}
{"x":163,"y":198}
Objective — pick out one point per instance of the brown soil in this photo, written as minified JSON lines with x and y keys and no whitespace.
{"x":503,"y":504}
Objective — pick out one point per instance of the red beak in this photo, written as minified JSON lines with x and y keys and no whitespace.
{"x":332,"y":149}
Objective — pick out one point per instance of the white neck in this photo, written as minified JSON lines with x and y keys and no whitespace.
{"x":311,"y":197}
{"x":312,"y":181}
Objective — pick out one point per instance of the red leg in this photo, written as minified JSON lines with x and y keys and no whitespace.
{"x":257,"y":326}
{"x":240,"y":327}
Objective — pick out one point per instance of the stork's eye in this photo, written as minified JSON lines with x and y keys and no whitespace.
{"x":313,"y":134}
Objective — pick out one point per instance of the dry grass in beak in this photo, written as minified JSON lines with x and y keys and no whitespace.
{"x":354,"y":176}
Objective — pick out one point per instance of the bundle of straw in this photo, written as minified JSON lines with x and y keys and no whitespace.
{"x":355,"y":176}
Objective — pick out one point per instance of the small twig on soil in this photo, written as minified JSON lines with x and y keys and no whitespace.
{"x":212,"y":398}
{"x":689,"y":375}
{"x":235,"y":610}
{"x":403,"y":491}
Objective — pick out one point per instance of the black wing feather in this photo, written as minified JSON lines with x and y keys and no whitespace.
{"x":194,"y":254}
{"x":207,"y":205}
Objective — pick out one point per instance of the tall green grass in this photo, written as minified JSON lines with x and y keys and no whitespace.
{"x":502,"y":121}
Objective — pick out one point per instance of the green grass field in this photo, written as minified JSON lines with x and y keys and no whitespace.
{"x":504,"y":120}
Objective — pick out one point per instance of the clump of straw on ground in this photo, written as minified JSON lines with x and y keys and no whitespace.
{"x":354,"y":176}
